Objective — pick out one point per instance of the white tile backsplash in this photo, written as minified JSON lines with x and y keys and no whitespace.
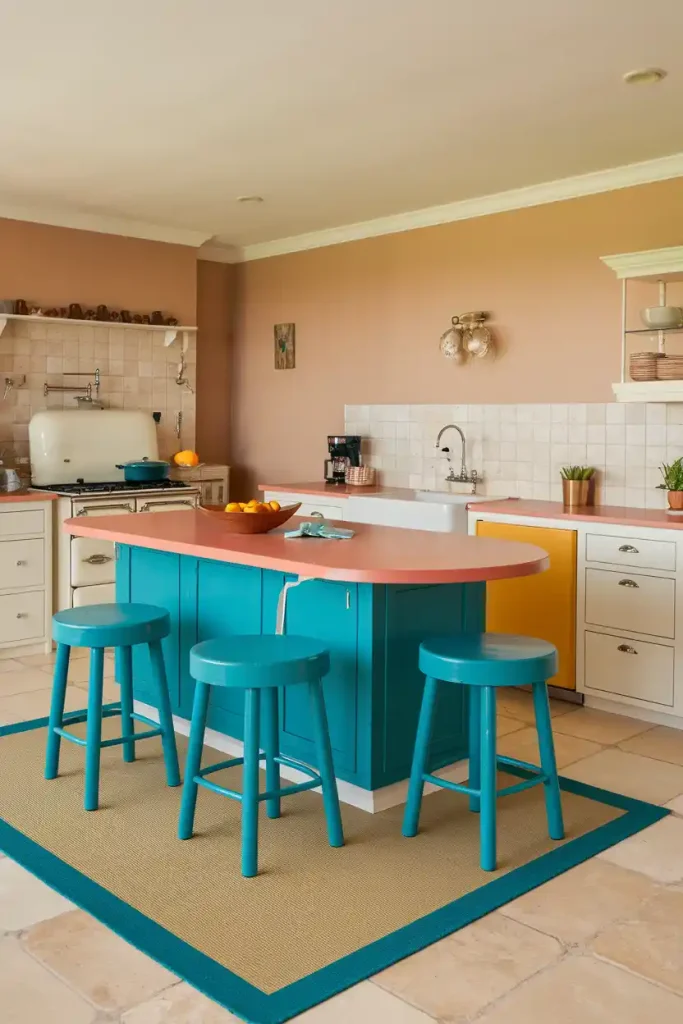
{"x":520,"y":449}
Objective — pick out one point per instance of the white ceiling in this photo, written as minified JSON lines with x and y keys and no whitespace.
{"x":335,"y":111}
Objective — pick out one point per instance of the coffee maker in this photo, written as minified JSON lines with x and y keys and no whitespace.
{"x":344,"y":451}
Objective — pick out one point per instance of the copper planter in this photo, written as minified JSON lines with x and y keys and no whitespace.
{"x":576,"y":493}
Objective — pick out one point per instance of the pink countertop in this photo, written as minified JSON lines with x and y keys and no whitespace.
{"x":376,"y":554}
{"x":653,"y":517}
{"x":9,"y":496}
{"x":320,"y":489}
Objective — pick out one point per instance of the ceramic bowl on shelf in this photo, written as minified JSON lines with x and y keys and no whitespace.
{"x":250,"y":522}
{"x":662,"y":318}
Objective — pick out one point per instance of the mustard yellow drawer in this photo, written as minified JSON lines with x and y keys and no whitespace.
{"x":544,"y":605}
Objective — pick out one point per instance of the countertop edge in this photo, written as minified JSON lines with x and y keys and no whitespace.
{"x":649,"y":519}
{"x":12,"y":497}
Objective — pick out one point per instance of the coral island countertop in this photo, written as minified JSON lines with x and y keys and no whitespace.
{"x":25,"y":495}
{"x":655,"y":518}
{"x":376,"y":554}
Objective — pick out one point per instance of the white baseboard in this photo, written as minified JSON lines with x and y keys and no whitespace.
{"x":631,"y":711}
{"x":365,"y":799}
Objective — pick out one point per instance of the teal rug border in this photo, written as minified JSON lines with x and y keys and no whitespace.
{"x":257,"y":1007}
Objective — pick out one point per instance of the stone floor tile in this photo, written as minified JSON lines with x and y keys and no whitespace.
{"x":505,"y":725}
{"x":22,"y":707}
{"x":363,"y":1004}
{"x":524,"y":745}
{"x":80,"y":667}
{"x":651,"y":944}
{"x":516,"y":703}
{"x":22,"y":681}
{"x":657,"y":851}
{"x":675,"y":805}
{"x":460,"y":975}
{"x":91,"y":959}
{"x":48,"y":660}
{"x":583,"y":990}
{"x":661,"y":743}
{"x":31,"y":995}
{"x":600,"y":726}
{"x":180,"y":1005}
{"x":25,"y":900}
{"x":9,"y":665}
{"x":631,"y":774}
{"x":579,"y":903}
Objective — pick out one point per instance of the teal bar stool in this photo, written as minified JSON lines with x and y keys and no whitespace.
{"x":99,"y":626}
{"x":483,"y":662}
{"x":260,"y":665}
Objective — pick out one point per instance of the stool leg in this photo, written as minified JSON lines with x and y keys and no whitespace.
{"x":250,"y":783}
{"x":165,"y":715}
{"x":321,"y":733}
{"x":126,"y":683}
{"x":271,"y":745}
{"x":474,"y":781}
{"x":193,"y":761}
{"x":546,"y":746}
{"x":57,"y":711}
{"x":487,"y":824}
{"x":93,"y":736}
{"x":411,"y":817}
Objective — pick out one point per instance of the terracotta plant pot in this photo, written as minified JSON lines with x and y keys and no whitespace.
{"x":575,"y":493}
{"x":675,"y":499}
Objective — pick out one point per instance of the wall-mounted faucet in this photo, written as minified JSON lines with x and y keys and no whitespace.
{"x":464,"y":477}
{"x":181,"y":379}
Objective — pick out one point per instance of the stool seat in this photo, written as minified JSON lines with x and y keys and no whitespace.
{"x":110,"y":625}
{"x":256,"y":661}
{"x":488,"y":659}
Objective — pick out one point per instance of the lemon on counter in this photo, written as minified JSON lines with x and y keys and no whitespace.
{"x":188,"y":459}
{"x":233,"y":506}
{"x":274,"y":506}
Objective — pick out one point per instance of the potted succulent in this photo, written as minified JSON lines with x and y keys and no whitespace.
{"x":672,"y":476}
{"x":576,"y":485}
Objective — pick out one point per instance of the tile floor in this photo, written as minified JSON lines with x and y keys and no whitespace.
{"x":601,"y":943}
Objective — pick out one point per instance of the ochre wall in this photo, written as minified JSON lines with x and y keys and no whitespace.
{"x":369,"y":314}
{"x":52,"y":266}
{"x":215,"y":284}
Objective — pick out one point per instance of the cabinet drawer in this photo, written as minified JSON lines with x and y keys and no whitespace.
{"x":22,"y":616}
{"x":646,"y":554}
{"x":328,"y":511}
{"x":630,"y":668}
{"x":101,"y":594}
{"x":22,"y":564}
{"x":631,"y":601}
{"x":12,"y":524}
{"x":92,"y":561}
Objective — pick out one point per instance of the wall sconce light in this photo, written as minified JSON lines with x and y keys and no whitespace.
{"x":467,"y":337}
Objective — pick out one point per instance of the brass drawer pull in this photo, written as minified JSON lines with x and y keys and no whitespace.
{"x":625,"y":649}
{"x":98,"y":559}
{"x":628,"y":583}
{"x":629,"y":548}
{"x":154,"y":504}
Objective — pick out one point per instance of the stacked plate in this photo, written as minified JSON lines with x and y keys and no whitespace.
{"x":670,"y":368}
{"x":643,"y":365}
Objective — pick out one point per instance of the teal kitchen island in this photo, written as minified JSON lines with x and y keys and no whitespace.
{"x":371,"y":600}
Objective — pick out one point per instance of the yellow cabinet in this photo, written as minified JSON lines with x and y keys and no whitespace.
{"x":543,"y":605}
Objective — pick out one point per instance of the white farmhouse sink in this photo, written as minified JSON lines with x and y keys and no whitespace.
{"x":440,"y":512}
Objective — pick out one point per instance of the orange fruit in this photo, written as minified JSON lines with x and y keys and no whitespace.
{"x":233,"y":506}
{"x":274,"y":506}
{"x":186,"y":458}
{"x":252,"y":508}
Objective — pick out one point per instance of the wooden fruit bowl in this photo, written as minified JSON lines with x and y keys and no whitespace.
{"x":250,"y":522}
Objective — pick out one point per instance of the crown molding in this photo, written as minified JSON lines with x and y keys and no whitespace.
{"x":650,"y":263}
{"x":105,"y":225}
{"x":609,"y":180}
{"x":217,"y":253}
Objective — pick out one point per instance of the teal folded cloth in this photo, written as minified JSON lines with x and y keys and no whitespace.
{"x":320,"y":530}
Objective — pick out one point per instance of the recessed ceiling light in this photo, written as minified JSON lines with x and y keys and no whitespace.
{"x":644,"y":76}
{"x":250,"y":199}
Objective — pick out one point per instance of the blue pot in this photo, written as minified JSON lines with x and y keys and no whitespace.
{"x":145,"y":471}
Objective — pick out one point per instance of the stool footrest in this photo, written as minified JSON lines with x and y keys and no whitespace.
{"x":109,"y":711}
{"x":538,"y":777}
{"x":456,"y":787}
{"x":287,"y":762}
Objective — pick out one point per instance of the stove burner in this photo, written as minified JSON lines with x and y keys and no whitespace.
{"x":112,"y":487}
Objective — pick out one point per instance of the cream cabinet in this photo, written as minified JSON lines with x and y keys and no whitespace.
{"x":25,"y":577}
{"x":311,"y":505}
{"x":629,"y":613}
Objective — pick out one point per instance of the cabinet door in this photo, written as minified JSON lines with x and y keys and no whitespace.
{"x":328,"y":612}
{"x":228,"y":600}
{"x":543,"y":605}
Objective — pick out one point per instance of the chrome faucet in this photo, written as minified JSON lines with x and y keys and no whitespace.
{"x":464,"y":477}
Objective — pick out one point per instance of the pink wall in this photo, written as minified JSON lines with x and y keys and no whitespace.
{"x":54,"y":266}
{"x":369,"y":315}
{"x":215,"y":305}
